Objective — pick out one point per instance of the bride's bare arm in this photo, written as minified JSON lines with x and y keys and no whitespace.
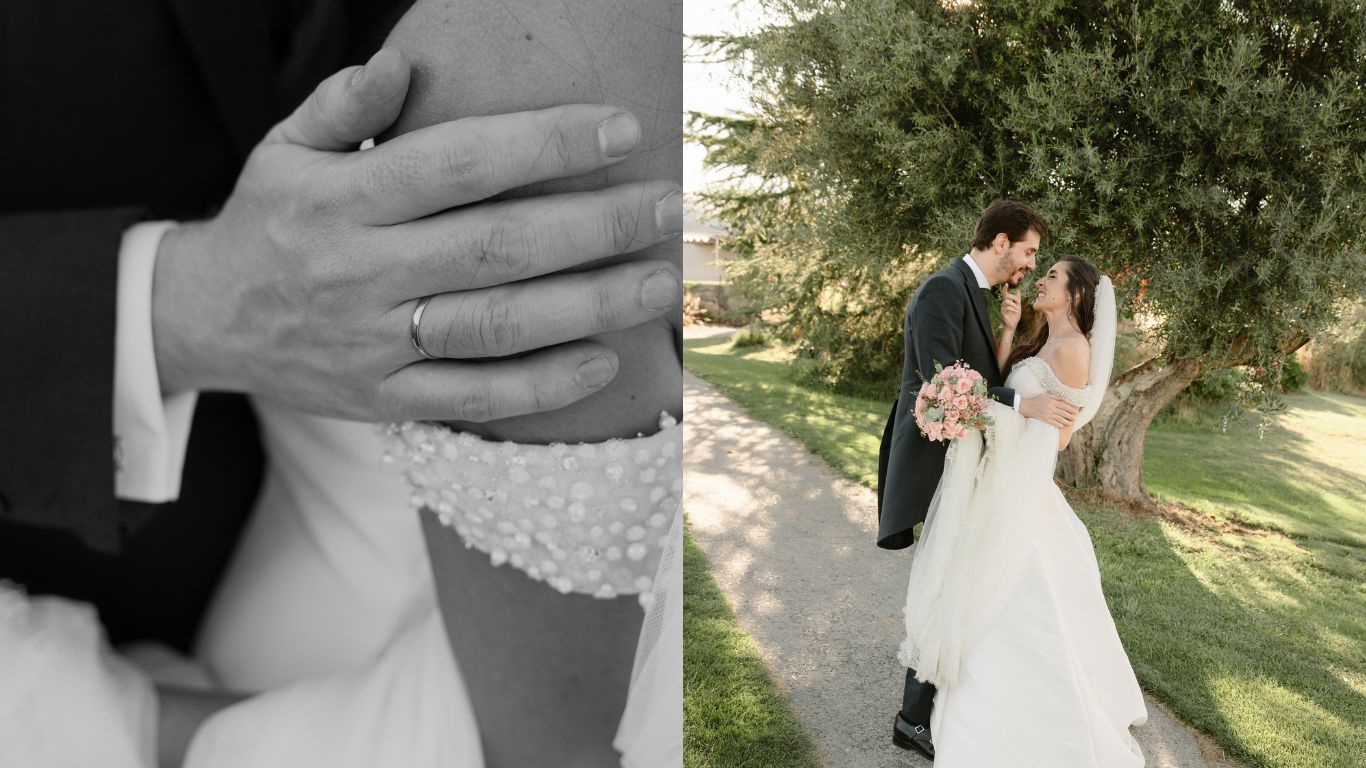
{"x":547,"y":673}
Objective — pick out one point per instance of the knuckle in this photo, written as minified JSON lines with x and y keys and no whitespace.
{"x":606,"y":311}
{"x":473,"y":402}
{"x":506,"y":248}
{"x":321,"y":201}
{"x":557,"y":149}
{"x":320,"y":104}
{"x":544,"y":395}
{"x":620,"y":227}
{"x":467,"y":163}
{"x":494,"y":328}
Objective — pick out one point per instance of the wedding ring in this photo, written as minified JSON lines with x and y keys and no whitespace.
{"x":415,"y":330}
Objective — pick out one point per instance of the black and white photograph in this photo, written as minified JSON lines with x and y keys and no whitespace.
{"x":340,"y":384}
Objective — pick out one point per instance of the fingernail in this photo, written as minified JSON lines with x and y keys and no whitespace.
{"x":669,"y":213}
{"x":659,"y":291}
{"x":594,"y":373}
{"x":358,"y":76}
{"x":618,"y":134}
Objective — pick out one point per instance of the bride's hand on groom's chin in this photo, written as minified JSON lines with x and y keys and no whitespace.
{"x":303,"y":288}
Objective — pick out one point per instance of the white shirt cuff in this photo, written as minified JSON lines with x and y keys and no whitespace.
{"x":1016,"y":404}
{"x":151,"y":432}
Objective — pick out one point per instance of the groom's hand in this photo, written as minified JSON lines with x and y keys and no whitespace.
{"x":304,"y":287}
{"x":1049,"y":408}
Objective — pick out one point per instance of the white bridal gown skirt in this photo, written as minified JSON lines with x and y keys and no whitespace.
{"x":1049,"y":684}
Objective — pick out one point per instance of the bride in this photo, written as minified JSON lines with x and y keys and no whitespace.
{"x":499,"y":594}
{"x":1005,"y":613}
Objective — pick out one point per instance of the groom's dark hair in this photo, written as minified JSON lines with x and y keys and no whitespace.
{"x":1010,"y":217}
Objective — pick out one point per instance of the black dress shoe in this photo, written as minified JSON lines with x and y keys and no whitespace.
{"x":910,"y":736}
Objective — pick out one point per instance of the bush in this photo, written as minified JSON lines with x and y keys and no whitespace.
{"x":1293,"y":375}
{"x":750,"y":336}
{"x":693,"y":311}
{"x":718,"y":303}
{"x":1336,"y":360}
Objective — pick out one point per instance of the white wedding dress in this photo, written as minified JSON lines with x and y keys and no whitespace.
{"x":329,"y":611}
{"x":1004,"y":611}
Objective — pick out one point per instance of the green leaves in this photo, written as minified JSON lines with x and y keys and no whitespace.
{"x":1212,"y":148}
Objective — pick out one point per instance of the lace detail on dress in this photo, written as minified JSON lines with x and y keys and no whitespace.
{"x":593,"y":518}
{"x":1054,"y":386}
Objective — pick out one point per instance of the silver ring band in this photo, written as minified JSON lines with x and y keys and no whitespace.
{"x":415,"y":330}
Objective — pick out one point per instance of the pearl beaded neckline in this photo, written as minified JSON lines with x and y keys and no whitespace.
{"x":1077,"y":396}
{"x":591,"y":518}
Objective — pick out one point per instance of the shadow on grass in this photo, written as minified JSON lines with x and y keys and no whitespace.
{"x":733,"y":712}
{"x":1312,"y":400}
{"x":1284,"y":489}
{"x":706,"y":342}
{"x":1233,"y":646}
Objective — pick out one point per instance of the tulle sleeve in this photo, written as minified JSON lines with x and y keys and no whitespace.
{"x":66,"y":700}
{"x":651,"y":731}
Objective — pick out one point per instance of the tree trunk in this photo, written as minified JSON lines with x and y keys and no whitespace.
{"x":1108,"y":453}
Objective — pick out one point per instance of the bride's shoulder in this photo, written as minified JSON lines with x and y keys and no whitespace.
{"x":1071,"y":361}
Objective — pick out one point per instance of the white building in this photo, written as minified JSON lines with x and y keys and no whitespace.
{"x":704,"y":251}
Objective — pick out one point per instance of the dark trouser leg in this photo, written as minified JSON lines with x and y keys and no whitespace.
{"x":916,"y":700}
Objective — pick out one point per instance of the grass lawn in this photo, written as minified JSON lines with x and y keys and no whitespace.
{"x":1243,"y":607}
{"x":733,"y":714}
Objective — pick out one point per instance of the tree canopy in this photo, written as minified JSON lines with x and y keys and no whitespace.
{"x":1210,"y":155}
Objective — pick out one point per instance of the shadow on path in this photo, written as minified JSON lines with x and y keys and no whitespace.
{"x":791,"y":545}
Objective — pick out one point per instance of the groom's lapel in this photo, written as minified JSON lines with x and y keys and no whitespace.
{"x":229,"y":41}
{"x":979,"y":306}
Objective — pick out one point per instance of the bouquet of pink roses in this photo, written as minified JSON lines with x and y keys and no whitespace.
{"x":953,"y":402}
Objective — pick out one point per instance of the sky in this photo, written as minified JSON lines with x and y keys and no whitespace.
{"x":708,"y":87}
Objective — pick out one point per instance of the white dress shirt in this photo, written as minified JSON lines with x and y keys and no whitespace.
{"x":151,"y":431}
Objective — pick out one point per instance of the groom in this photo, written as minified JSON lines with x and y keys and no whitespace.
{"x":946,"y":321}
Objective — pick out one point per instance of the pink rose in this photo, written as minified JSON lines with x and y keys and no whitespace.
{"x":974,"y":376}
{"x":935,"y":431}
{"x":960,"y":402}
{"x":963,"y":386}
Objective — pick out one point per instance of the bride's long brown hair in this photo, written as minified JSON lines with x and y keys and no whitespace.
{"x":1082,"y":279}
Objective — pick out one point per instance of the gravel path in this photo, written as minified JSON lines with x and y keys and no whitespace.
{"x":791,"y":545}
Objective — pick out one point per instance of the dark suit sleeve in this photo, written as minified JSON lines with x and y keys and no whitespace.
{"x":57,"y":313}
{"x":1003,"y":395}
{"x":936,"y":321}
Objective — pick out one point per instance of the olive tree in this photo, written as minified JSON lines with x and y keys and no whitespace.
{"x":1210,"y":155}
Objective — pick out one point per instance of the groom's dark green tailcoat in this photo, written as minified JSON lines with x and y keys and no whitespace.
{"x":946,"y":321}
